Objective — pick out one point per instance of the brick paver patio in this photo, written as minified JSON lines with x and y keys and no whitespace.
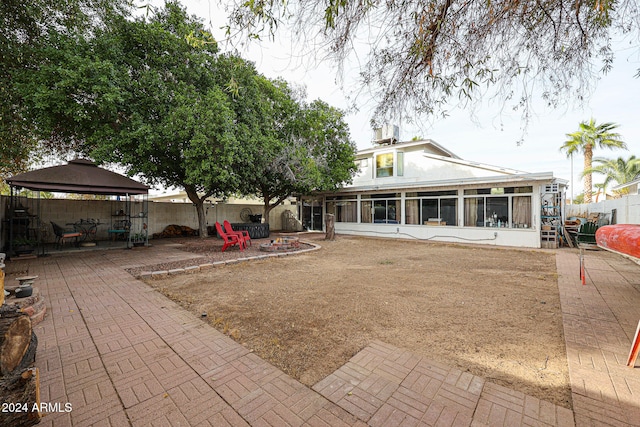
{"x":600,"y":320}
{"x":124,"y":355}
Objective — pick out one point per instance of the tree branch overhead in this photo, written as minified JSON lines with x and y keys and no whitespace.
{"x":422,"y":57}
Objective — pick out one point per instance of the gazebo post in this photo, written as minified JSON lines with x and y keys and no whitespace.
{"x":39,"y":235}
{"x":10,"y":218}
{"x":2,"y":279}
{"x":129,"y":203}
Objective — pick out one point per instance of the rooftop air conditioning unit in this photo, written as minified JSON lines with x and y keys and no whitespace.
{"x":387,"y":134}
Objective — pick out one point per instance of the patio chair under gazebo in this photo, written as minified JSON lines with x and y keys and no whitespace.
{"x":77,"y":176}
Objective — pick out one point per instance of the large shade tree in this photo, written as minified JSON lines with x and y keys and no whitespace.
{"x":585,"y":140}
{"x":155,"y":96}
{"x":24,"y":26}
{"x":310,"y":151}
{"x":422,"y":56}
{"x":289,"y":146}
{"x":620,"y":170}
{"x":141,"y":93}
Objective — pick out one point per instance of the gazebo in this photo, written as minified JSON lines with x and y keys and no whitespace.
{"x":77,"y":176}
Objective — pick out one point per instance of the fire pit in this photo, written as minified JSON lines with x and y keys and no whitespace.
{"x":281,"y":244}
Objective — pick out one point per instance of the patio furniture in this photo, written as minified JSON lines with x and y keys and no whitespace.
{"x":244,"y":233}
{"x":229,"y":239}
{"x":587,"y":233}
{"x":120,"y":229}
{"x":88,"y":228}
{"x":62,"y":235}
{"x":256,"y":231}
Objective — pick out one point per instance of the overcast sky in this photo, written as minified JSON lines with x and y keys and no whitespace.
{"x":495,"y":140}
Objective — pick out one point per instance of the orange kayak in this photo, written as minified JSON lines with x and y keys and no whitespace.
{"x":620,"y":238}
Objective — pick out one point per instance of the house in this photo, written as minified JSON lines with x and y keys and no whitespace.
{"x":632,"y":187}
{"x":421,"y":190}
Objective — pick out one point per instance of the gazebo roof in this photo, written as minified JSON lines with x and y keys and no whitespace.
{"x":78,"y":176}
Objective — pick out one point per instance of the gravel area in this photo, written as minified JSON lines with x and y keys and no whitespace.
{"x":210,"y":250}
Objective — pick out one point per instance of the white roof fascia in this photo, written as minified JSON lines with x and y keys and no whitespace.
{"x":625,"y":185}
{"x":561,"y":181}
{"x":506,"y":179}
{"x":408,"y":144}
{"x":474,"y":164}
{"x":440,"y":147}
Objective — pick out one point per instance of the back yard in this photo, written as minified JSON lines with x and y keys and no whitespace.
{"x":491,"y":311}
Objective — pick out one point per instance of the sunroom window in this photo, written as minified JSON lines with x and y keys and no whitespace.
{"x":381,"y":208}
{"x":498,"y":207}
{"x":345,"y":209}
{"x":432,"y":208}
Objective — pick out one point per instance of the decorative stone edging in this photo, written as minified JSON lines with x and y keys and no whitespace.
{"x":161,"y":274}
{"x":281,"y":244}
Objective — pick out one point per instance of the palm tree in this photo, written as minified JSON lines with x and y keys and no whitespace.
{"x":585,"y":140}
{"x":619,"y":170}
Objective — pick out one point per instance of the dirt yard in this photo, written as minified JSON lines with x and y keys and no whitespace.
{"x":494,"y":312}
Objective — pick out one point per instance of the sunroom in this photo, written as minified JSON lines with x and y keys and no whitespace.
{"x":421,"y":190}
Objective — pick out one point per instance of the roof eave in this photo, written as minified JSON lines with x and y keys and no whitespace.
{"x":543,"y":177}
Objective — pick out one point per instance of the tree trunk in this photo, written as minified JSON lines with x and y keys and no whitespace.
{"x":199,"y":203}
{"x":268,"y":207}
{"x":588,"y":182}
{"x":20,"y":399}
{"x":16,"y":337}
{"x":19,"y":385}
{"x":266,"y":210}
{"x":202,"y":220}
{"x":330,"y":222}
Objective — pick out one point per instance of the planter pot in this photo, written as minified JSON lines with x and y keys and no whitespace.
{"x":23,"y":249}
{"x":24,"y":291}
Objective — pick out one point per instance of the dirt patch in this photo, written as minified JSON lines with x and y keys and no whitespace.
{"x":489,"y":311}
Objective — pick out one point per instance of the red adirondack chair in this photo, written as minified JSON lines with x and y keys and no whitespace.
{"x":244,"y":233}
{"x":229,"y":239}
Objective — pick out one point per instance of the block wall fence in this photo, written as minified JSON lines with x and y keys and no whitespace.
{"x":627,"y":209}
{"x":160,"y":215}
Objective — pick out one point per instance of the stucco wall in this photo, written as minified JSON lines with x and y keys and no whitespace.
{"x":627,"y":209}
{"x":529,"y":238}
{"x":419,"y":167}
{"x":64,"y":211}
{"x":516,"y":237}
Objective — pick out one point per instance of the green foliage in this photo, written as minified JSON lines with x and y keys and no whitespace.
{"x":142,"y":93}
{"x":154,"y":95}
{"x":422,"y":57}
{"x":123,"y":95}
{"x":589,"y":136}
{"x":620,"y":170}
{"x":299,"y":147}
{"x":329,"y":146}
{"x":23,"y":241}
{"x":78,"y":196}
{"x":24,"y":27}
